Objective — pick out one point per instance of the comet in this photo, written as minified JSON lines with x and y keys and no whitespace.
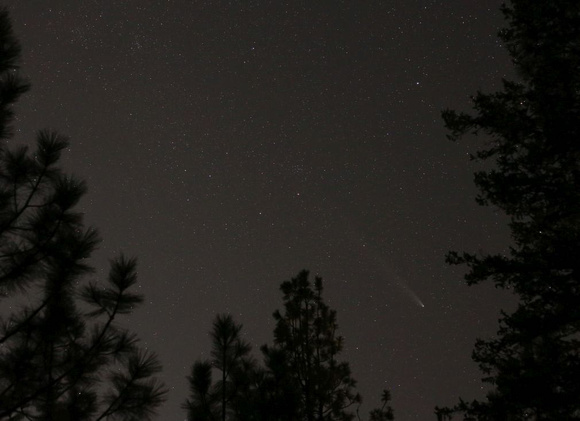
{"x":411,"y":294}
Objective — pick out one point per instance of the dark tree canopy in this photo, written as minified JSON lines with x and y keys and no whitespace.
{"x":211,"y":401}
{"x":532,"y":128}
{"x":302,"y":378}
{"x":12,"y":85}
{"x":306,"y":335}
{"x":62,"y":355}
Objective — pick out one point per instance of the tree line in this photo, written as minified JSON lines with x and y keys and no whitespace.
{"x":63,"y":355}
{"x":302,"y":377}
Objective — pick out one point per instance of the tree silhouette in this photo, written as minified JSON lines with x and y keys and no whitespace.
{"x":12,"y":85}
{"x":201,"y":406}
{"x":230,"y":357}
{"x":279,"y":399}
{"x":301,"y":379}
{"x":58,"y":362}
{"x":306,"y":336}
{"x":533,"y":125}
{"x":385,"y":413}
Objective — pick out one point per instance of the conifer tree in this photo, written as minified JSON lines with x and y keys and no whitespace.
{"x":301,"y":379}
{"x":280,"y":400}
{"x":385,"y":412}
{"x":307,"y":339}
{"x":230,"y":357}
{"x":59,"y":360}
{"x":533,"y":129}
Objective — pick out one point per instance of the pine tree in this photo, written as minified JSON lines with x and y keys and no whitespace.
{"x":230,"y":357}
{"x":533,"y":127}
{"x":301,"y":379}
{"x":202,"y":404}
{"x":306,"y":336}
{"x":278,"y":398}
{"x":12,"y":85}
{"x":385,"y":412}
{"x":59,"y":360}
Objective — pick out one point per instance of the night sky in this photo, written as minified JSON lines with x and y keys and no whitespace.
{"x":230,"y":144}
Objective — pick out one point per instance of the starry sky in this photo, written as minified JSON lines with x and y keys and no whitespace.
{"x":230,"y":144}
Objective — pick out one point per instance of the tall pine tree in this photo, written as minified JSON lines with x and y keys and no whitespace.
{"x":302,"y":378}
{"x":58,"y":361}
{"x":533,"y":130}
{"x":307,"y":338}
{"x":211,"y":401}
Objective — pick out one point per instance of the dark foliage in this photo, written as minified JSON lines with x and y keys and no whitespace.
{"x":11,"y":84}
{"x":533,"y":127}
{"x":384,"y":413}
{"x":306,"y":336}
{"x":58,"y":362}
{"x":302,"y":379}
{"x":230,"y":356}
